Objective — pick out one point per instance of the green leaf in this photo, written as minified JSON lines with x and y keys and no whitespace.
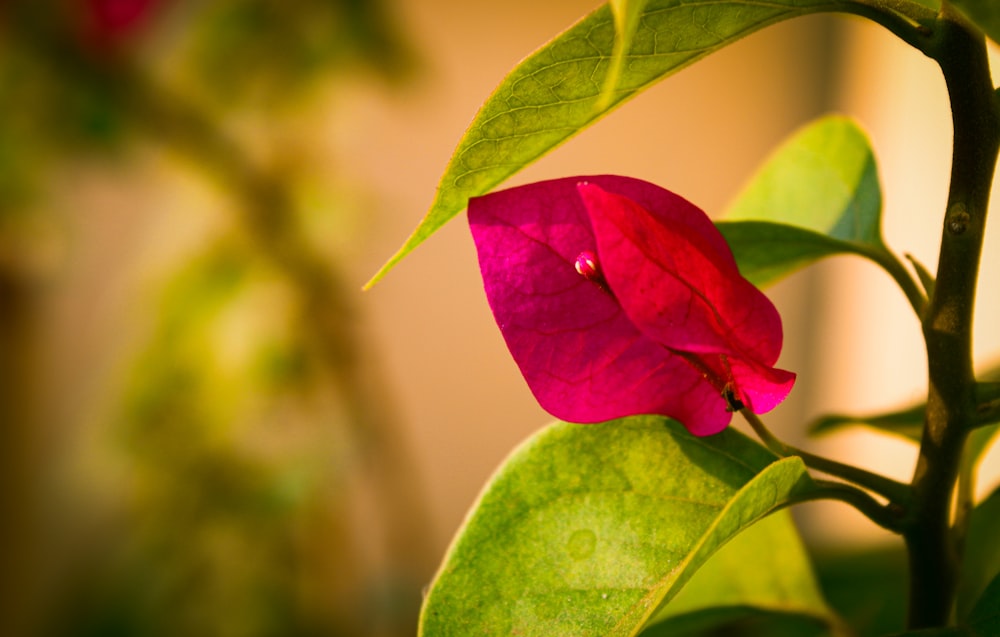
{"x":866,"y":585}
{"x":981,"y":561}
{"x":983,"y":621}
{"x":767,"y":252}
{"x":589,"y":529}
{"x":950,"y":631}
{"x":739,"y":621}
{"x":985,"y":617}
{"x":985,"y":14}
{"x":765,"y":569}
{"x":908,"y":422}
{"x":824,"y":179}
{"x":816,"y":196}
{"x":556,"y":92}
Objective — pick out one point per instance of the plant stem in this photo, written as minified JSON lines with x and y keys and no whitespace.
{"x":897,"y":493}
{"x":914,"y":293}
{"x":908,"y":20}
{"x":886,"y":516}
{"x":951,"y":402}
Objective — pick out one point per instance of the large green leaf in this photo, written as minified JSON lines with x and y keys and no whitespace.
{"x":824,"y":179}
{"x":557,"y":91}
{"x":816,"y":196}
{"x":588,"y":529}
{"x":765,"y":569}
{"x":984,"y":13}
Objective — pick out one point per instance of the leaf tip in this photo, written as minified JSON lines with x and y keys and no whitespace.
{"x":389,"y":265}
{"x":427,"y":226}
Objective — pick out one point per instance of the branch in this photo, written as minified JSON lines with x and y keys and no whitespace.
{"x":951,"y":401}
{"x":897,"y":493}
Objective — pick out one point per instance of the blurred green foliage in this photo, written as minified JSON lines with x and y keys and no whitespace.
{"x":311,"y":40}
{"x":251,"y":481}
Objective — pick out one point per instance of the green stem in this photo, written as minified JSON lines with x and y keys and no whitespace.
{"x":897,"y":493}
{"x":906,"y":19}
{"x":913,"y":291}
{"x":887,"y":516}
{"x":951,"y":402}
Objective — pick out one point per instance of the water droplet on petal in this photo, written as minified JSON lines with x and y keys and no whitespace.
{"x":586,"y":265}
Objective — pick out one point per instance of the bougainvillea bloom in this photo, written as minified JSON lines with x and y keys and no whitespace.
{"x":617,"y":297}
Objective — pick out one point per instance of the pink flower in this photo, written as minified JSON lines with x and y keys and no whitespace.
{"x":113,"y":19}
{"x":617,"y":297}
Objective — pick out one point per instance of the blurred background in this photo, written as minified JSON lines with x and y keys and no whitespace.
{"x":209,"y":429}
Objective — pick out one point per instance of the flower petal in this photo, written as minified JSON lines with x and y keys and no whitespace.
{"x":662,"y":260}
{"x":580,"y":353}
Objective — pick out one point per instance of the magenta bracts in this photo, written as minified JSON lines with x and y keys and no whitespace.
{"x":617,"y":297}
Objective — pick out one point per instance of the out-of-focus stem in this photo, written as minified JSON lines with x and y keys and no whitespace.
{"x":327,"y":314}
{"x":19,"y":420}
